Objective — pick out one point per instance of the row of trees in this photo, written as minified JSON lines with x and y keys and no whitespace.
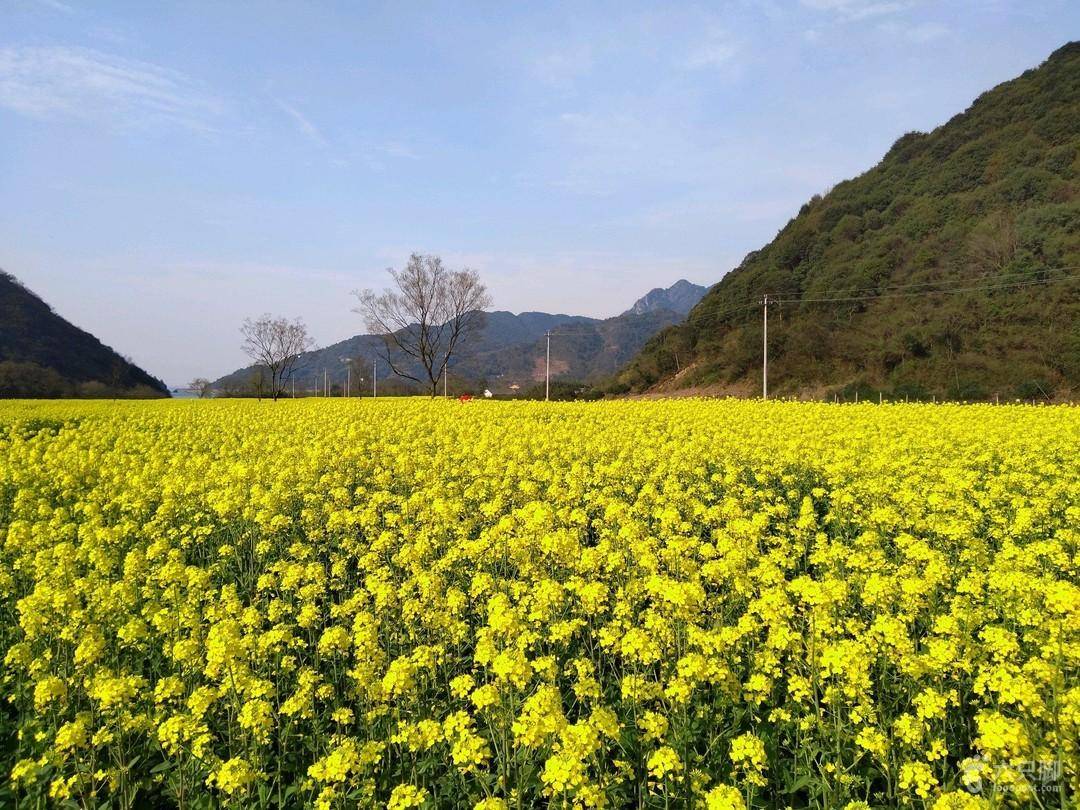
{"x":423,"y":317}
{"x":23,"y":380}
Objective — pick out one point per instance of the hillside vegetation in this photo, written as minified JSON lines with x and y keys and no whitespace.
{"x":989,"y":200}
{"x":43,"y":355}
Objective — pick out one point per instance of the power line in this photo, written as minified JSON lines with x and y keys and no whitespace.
{"x":1027,"y":282}
{"x":837,"y":296}
{"x":709,"y":316}
{"x":937,"y":283}
{"x":884,"y":293}
{"x":715,"y":316}
{"x":1007,"y":285}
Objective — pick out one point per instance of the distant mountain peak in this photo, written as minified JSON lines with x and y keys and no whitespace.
{"x":680,"y":297}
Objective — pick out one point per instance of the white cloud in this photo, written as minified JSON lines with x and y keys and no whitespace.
{"x":57,"y":81}
{"x":397,"y":149}
{"x":375,"y":153}
{"x":378,"y":155}
{"x":697,"y":211}
{"x":303,"y":123}
{"x":859,"y":9}
{"x":919,"y":34}
{"x":715,"y":50}
{"x":57,"y":5}
{"x":648,"y":41}
{"x":630,"y":143}
{"x":562,"y":65}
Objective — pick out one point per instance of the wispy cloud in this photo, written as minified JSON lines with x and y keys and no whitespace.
{"x":378,"y":154}
{"x":716,"y":49}
{"x":57,"y":5}
{"x":859,"y":9}
{"x":374,"y":153}
{"x":397,"y":149}
{"x":561,"y":65}
{"x":691,"y":213}
{"x":56,"y":81}
{"x":205,"y":272}
{"x":919,"y":33}
{"x":632,"y":142}
{"x":303,"y":123}
{"x":651,"y":41}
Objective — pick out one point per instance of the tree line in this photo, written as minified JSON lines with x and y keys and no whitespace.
{"x":424,"y":316}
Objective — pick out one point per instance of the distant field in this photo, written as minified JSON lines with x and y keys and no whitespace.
{"x":413,"y":603}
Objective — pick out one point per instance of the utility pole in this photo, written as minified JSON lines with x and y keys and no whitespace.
{"x":348,"y":379}
{"x":547,"y":367}
{"x":375,"y":378}
{"x":326,"y":382}
{"x":445,"y":376}
{"x":293,"y":381}
{"x":765,"y":350}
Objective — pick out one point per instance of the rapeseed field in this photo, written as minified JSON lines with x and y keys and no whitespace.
{"x":434,"y":604}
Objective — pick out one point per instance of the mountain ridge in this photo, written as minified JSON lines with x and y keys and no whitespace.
{"x":506,"y":355}
{"x":680,"y":297}
{"x":44,"y":355}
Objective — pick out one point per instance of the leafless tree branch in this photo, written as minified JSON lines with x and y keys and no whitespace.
{"x":425,"y":315}
{"x":275,"y":344}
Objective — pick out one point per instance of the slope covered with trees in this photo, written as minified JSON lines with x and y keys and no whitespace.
{"x":952,"y":268}
{"x":43,"y":355}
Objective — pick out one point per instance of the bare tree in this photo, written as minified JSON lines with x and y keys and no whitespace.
{"x":202,"y":387}
{"x":424,"y":316}
{"x":275,"y":344}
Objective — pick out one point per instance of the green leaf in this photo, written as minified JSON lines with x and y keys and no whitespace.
{"x":800,"y":783}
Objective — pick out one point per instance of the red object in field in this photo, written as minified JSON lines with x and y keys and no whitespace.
{"x":465,"y":397}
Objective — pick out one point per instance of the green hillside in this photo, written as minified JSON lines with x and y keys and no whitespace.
{"x":990,"y":200}
{"x":43,"y":355}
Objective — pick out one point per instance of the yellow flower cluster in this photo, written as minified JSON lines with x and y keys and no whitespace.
{"x":421,"y":604}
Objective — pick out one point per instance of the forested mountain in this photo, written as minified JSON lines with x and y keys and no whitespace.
{"x":43,"y":355}
{"x":952,"y":268}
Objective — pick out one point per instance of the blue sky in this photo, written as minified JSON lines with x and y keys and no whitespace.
{"x":168,"y":169}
